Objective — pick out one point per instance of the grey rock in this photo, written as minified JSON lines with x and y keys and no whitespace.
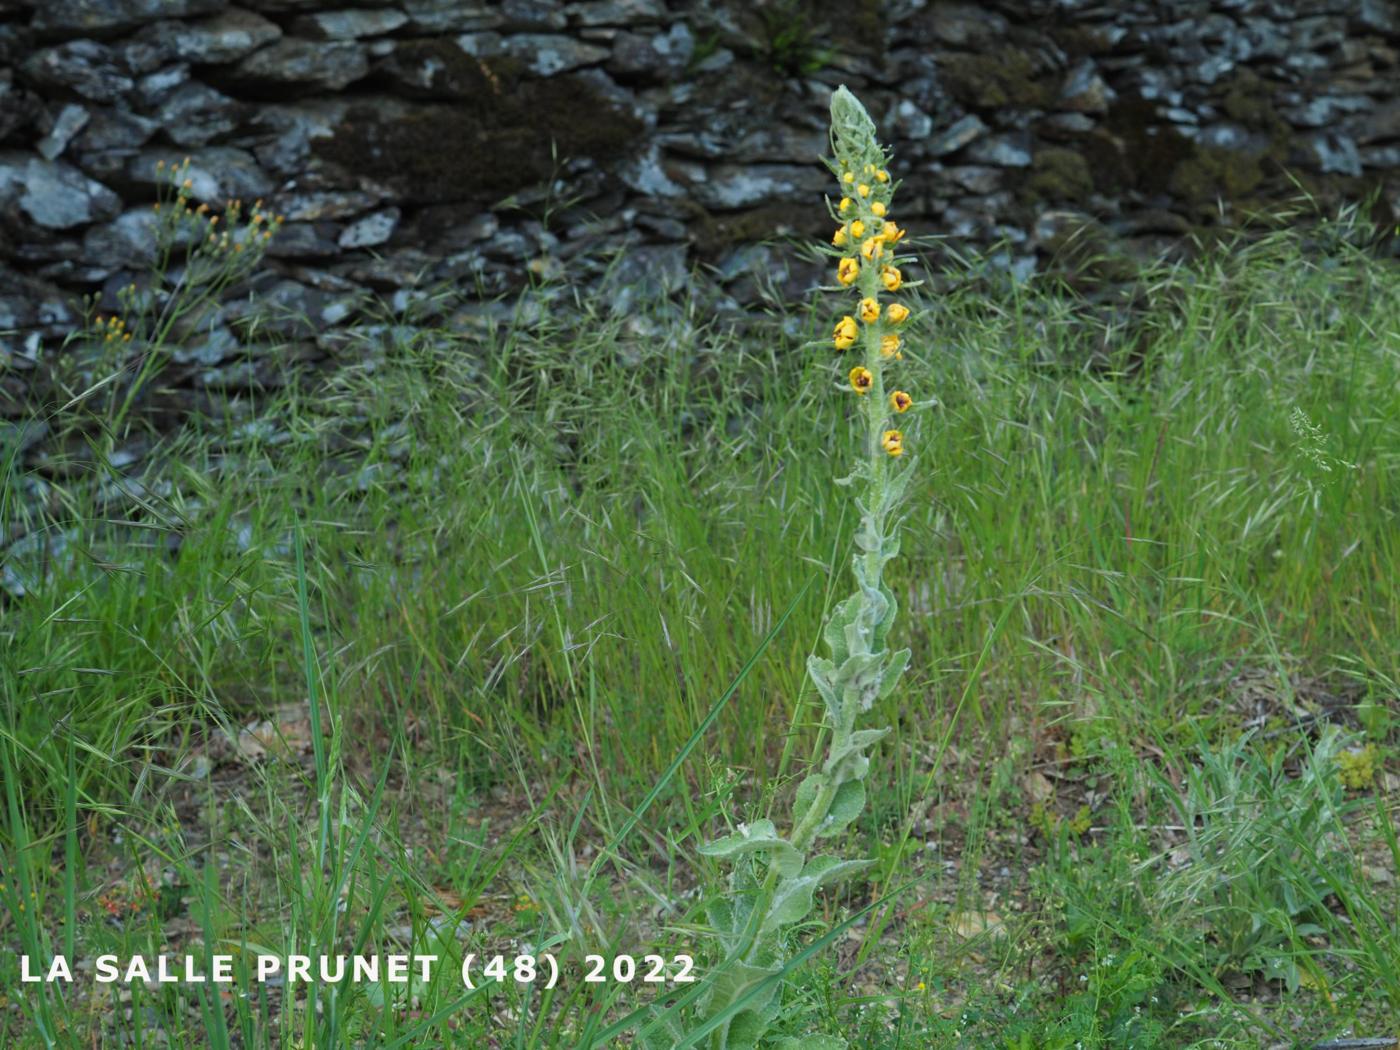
{"x":1085,"y":91}
{"x":71,"y":119}
{"x":330,"y":66}
{"x":53,"y":194}
{"x":615,"y":13}
{"x":1326,"y":110}
{"x":209,"y":347}
{"x":547,"y":54}
{"x":449,"y":16}
{"x":657,"y":55}
{"x":349,"y":25}
{"x":370,"y":231}
{"x":154,"y":87}
{"x":305,"y":240}
{"x":1012,"y":150}
{"x":227,"y":37}
{"x":967,"y":25}
{"x":1379,"y":16}
{"x":288,"y":131}
{"x":1381,"y":157}
{"x":129,"y":240}
{"x":217,"y":174}
{"x":196,"y":114}
{"x":644,"y":273}
{"x":111,"y":129}
{"x":975,"y":178}
{"x":1334,"y":153}
{"x":965,"y":131}
{"x":662,"y":227}
{"x":1068,"y":125}
{"x":1178,"y":115}
{"x":314,"y":205}
{"x":533,"y":15}
{"x":646,"y":175}
{"x":85,"y":67}
{"x":779,"y":144}
{"x":1380,"y":125}
{"x":731,"y":187}
{"x":112,"y":16}
{"x":27,"y":302}
{"x":910,"y":121}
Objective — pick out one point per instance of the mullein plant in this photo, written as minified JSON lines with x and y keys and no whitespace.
{"x":773,"y":876}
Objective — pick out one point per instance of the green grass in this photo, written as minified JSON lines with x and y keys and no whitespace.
{"x":518,"y":565}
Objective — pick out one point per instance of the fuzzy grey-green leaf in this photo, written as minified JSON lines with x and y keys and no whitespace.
{"x":845,"y":807}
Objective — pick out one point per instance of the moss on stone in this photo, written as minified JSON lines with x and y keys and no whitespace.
{"x":1249,"y":100}
{"x":503,"y":141}
{"x":1215,"y":173}
{"x":716,"y":233}
{"x":1007,"y":76}
{"x":1059,"y":174}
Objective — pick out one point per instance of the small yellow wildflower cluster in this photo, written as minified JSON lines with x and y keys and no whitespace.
{"x":865,"y":243}
{"x":228,"y":234}
{"x":110,"y":329}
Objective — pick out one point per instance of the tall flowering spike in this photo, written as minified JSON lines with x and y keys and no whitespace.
{"x":852,"y":131}
{"x":774,"y":876}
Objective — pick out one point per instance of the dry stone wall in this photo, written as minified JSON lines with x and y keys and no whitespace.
{"x":489,"y":142}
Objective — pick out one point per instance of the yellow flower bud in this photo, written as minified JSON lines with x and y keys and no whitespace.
{"x":896,"y":313}
{"x":848,"y":178}
{"x":891,"y":233}
{"x":893,"y":442}
{"x":872,"y":249}
{"x":846,"y":203}
{"x":878,"y":207}
{"x":846,"y":332}
{"x":857,"y":229}
{"x":861,"y":379}
{"x":882,"y":175}
{"x":889,"y":345}
{"x":869,"y":311}
{"x":847,"y":271}
{"x":863,"y":190}
{"x":891,"y":277}
{"x":839,"y":237}
{"x":900,"y":401}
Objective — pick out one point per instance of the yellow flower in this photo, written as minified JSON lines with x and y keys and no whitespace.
{"x":893,"y":442}
{"x":863,"y":190}
{"x":846,"y":332}
{"x":869,"y":311}
{"x":861,"y":379}
{"x":891,"y":233}
{"x":869,"y":169}
{"x":878,"y":208}
{"x":849,"y":177}
{"x":889,"y":345}
{"x":896,"y":313}
{"x":892,"y":278}
{"x":900,"y":401}
{"x":857,"y":229}
{"x":845,"y":205}
{"x":882,"y":175}
{"x":872,"y":248}
{"x":847,"y":271}
{"x":839,"y":237}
